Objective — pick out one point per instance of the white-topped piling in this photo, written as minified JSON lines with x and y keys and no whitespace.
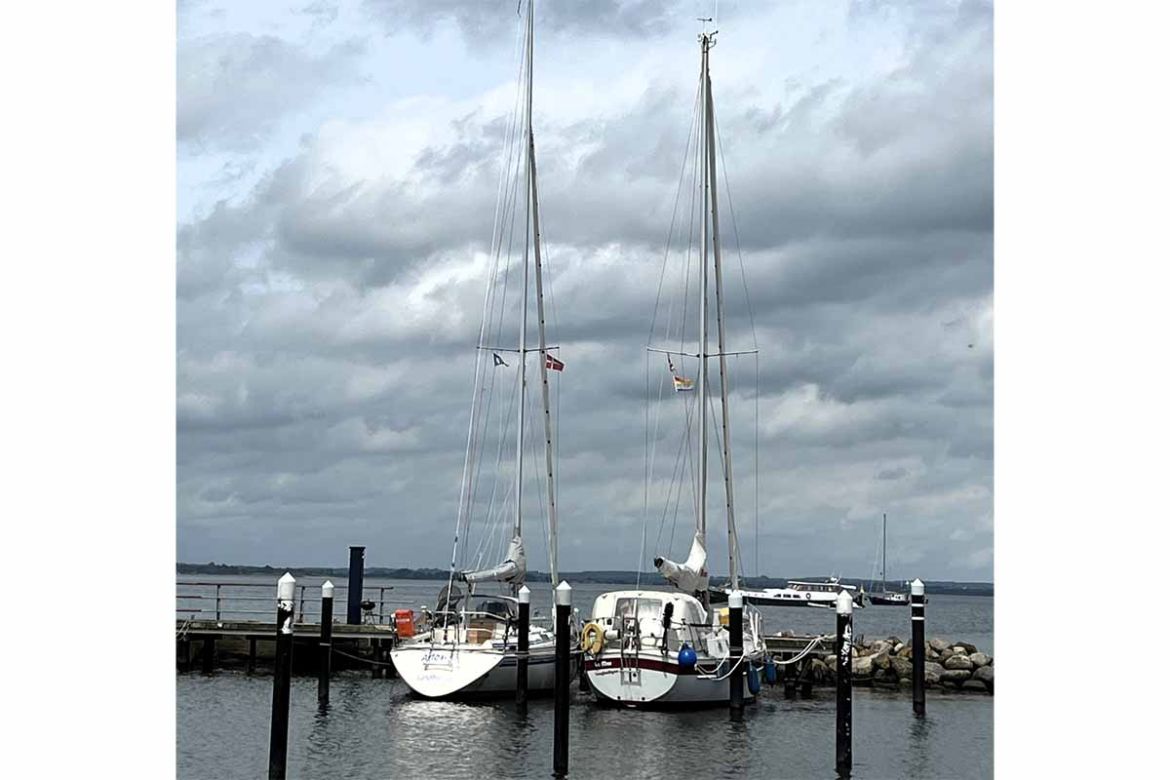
{"x":735,"y":653}
{"x":563,"y":597}
{"x":524,"y":596}
{"x":325,"y":646}
{"x":281,"y":678}
{"x":844,"y":652}
{"x":918,"y":645}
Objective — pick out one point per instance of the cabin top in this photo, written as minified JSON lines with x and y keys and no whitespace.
{"x":648,"y":604}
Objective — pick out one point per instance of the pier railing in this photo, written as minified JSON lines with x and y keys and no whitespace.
{"x":224,"y":600}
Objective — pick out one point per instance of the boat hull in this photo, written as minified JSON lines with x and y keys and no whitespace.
{"x":657,"y":682}
{"x":452,"y":672}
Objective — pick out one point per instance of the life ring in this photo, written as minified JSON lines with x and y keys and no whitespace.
{"x":592,"y":638}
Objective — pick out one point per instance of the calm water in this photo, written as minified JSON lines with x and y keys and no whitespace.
{"x":373,"y":729}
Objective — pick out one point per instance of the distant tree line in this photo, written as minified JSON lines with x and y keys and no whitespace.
{"x":593,"y":576}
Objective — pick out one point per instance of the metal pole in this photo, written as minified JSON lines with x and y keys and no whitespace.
{"x":564,"y":601}
{"x":525,"y":597}
{"x":735,"y":607}
{"x":281,"y":679}
{"x":217,"y":616}
{"x":251,"y":655}
{"x":325,"y":647}
{"x":918,"y":645}
{"x":357,"y":566}
{"x":844,"y":684}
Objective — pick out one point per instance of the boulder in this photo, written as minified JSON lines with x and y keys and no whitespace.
{"x":980,"y":659}
{"x":985,"y":675}
{"x":959,"y":662}
{"x":938,"y":645}
{"x":905,"y":652}
{"x":902,"y":667}
{"x":958,"y":650}
{"x":931,"y":654}
{"x":899,"y":647}
{"x":955,"y":677}
{"x":945,"y":654}
{"x":970,"y":648}
{"x":894,"y":642}
{"x":974,"y":685}
{"x":933,"y":673}
{"x":863,"y":667}
{"x":882,"y":660}
{"x":879,"y":646}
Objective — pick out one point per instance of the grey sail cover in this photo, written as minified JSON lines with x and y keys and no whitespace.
{"x":691,"y":575}
{"x":513,"y":568}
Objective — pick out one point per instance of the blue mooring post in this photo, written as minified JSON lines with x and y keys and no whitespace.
{"x":564,"y":605}
{"x":278,"y":744}
{"x":525,"y":598}
{"x":325,"y":648}
{"x":357,"y":571}
{"x":918,"y":645}
{"x":844,"y":684}
{"x":735,"y":624}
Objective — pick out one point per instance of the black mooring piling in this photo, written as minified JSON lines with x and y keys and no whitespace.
{"x":735,"y":658}
{"x":208,"y":654}
{"x":918,"y":645}
{"x":281,"y":678}
{"x":251,"y":655}
{"x":525,"y":599}
{"x":325,"y":646}
{"x":564,"y":605}
{"x":357,"y":573}
{"x":844,"y":651}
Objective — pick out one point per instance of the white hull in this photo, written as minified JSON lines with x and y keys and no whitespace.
{"x":449,"y":670}
{"x":655,"y":680}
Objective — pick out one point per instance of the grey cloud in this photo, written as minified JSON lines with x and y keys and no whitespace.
{"x":325,"y":358}
{"x":483,"y":22}
{"x":234,"y":88}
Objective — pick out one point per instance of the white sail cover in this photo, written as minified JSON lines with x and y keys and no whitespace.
{"x":690,"y":576}
{"x":513,"y":568}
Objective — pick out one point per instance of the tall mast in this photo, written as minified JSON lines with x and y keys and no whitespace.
{"x":548,"y":445}
{"x":732,"y":535}
{"x":883,"y":552}
{"x":702,"y":518}
{"x":524,"y":299}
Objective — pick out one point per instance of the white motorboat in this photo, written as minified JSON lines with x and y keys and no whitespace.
{"x":800,"y":593}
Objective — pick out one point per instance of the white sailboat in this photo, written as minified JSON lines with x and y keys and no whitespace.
{"x":886,"y":597}
{"x":667,"y":647}
{"x":468,"y":646}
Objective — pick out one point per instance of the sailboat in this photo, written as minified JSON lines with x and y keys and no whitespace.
{"x":468,"y":645}
{"x":886,"y":597}
{"x":668,"y":647}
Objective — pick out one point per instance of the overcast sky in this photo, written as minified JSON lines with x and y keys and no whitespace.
{"x":337,"y":171}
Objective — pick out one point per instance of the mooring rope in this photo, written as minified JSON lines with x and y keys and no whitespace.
{"x":363,"y":660}
{"x":808,"y":649}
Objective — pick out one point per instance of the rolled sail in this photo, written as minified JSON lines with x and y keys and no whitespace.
{"x":690,"y":576}
{"x":512,"y":569}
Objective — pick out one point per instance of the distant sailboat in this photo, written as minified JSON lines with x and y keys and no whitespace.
{"x":886,"y":597}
